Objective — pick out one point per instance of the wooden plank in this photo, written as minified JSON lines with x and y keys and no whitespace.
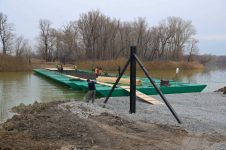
{"x":106,"y":84}
{"x":113,"y":80}
{"x":72,"y":76}
{"x":75,"y":77}
{"x":125,"y":87}
{"x":143,"y":96}
{"x":53,"y":69}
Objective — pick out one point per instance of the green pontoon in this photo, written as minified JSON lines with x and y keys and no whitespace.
{"x":103,"y":91}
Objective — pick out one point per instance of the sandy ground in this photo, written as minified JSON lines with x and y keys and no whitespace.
{"x":80,"y":125}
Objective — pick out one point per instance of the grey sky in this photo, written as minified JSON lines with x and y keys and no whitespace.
{"x":208,"y":16}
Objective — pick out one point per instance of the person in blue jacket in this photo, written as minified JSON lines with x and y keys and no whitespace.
{"x":92,"y":90}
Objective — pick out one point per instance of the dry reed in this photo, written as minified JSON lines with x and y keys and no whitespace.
{"x":112,"y":65}
{"x":13,"y":64}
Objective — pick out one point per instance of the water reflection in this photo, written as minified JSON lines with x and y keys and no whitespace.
{"x":213,"y":76}
{"x":183,"y":75}
{"x":24,"y":87}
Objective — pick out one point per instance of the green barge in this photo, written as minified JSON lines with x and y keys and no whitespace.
{"x":103,"y":90}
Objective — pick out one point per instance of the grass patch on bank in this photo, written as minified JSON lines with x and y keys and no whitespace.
{"x":10,"y":63}
{"x":112,"y":65}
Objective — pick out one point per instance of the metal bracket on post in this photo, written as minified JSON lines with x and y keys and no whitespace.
{"x":133,"y":80}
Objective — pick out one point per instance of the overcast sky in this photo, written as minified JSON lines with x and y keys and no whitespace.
{"x":208,"y":16}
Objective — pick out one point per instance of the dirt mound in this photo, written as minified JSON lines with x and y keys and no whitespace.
{"x":45,"y":126}
{"x":221,"y":90}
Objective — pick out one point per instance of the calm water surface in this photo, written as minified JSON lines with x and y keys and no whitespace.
{"x":214,"y":76}
{"x":27,"y":87}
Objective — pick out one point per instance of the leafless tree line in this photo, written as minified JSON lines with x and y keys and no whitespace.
{"x":97,"y":36}
{"x":10,"y":42}
{"x":221,"y":59}
{"x":216,"y":59}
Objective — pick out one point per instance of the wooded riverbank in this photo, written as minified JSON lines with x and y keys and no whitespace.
{"x":14,"y":64}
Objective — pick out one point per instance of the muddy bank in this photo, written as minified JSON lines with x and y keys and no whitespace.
{"x":54,"y":126}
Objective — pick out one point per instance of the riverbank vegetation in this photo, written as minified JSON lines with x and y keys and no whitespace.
{"x":112,"y":65}
{"x":95,"y":38}
{"x":10,"y":63}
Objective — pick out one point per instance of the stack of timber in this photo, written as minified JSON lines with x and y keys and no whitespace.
{"x":54,"y":69}
{"x":86,"y":80}
{"x":113,"y":80}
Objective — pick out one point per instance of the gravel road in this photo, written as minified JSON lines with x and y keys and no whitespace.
{"x":199,"y":112}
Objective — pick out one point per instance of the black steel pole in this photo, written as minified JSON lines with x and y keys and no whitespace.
{"x":133,"y":80}
{"x":158,"y":90}
{"x":116,"y":82}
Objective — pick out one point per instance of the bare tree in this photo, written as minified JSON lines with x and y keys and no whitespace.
{"x":6,"y":33}
{"x":192,"y":48}
{"x":181,"y":31}
{"x":154,"y":43}
{"x":44,"y":36}
{"x":165,"y":35}
{"x":56,"y":38}
{"x":20,"y":44}
{"x":140,"y":27}
{"x":70,"y":40}
{"x":22,"y":47}
{"x":103,"y":41}
{"x":89,"y":27}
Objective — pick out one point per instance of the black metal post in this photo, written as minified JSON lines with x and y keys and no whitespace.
{"x":158,"y":90}
{"x":133,"y":80}
{"x":118,"y":80}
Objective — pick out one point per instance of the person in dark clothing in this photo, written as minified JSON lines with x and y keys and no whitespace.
{"x":97,"y":72}
{"x":92,"y":90}
{"x":224,"y":92}
{"x":61,"y":68}
{"x":100,"y":70}
{"x":118,"y":70}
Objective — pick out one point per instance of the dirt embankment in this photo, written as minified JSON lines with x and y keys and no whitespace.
{"x":45,"y":126}
{"x":221,"y":90}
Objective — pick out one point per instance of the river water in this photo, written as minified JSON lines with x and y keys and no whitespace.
{"x":27,"y":87}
